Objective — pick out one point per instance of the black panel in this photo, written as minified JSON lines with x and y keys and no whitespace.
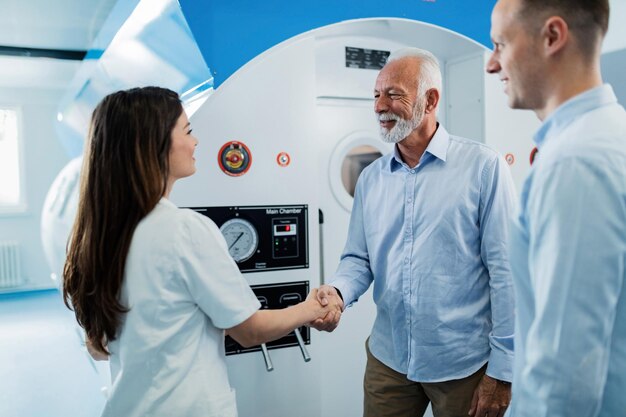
{"x":278,"y":248}
{"x":365,"y":58}
{"x":276,"y":296}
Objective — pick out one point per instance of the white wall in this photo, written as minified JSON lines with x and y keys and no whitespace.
{"x":508,"y":131}
{"x":463,"y":81}
{"x":613,"y":72}
{"x":616,"y":36}
{"x":43,"y":158}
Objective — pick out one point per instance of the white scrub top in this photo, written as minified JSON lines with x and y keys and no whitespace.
{"x":182,"y":288}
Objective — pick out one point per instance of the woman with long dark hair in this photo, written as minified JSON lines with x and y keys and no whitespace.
{"x":154,"y":286}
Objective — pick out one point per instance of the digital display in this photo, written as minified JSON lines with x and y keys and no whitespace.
{"x":365,"y":58}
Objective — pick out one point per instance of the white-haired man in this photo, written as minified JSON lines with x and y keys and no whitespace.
{"x":429,"y":230}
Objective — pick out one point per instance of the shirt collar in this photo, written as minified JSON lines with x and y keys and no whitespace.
{"x":167,"y":202}
{"x":437,"y":147}
{"x":572,"y":109}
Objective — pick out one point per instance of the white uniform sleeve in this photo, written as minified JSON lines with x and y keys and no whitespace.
{"x":210,"y":273}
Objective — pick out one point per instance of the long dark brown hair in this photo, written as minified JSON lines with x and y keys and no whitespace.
{"x":124,"y":175}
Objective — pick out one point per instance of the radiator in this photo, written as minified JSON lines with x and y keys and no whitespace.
{"x":10,"y":270}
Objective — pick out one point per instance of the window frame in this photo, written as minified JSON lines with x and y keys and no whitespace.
{"x":21,"y":207}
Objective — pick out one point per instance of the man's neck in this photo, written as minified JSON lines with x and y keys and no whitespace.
{"x":413,"y":146}
{"x":568,"y":83}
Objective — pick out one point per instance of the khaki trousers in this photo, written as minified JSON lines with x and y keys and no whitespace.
{"x":388,"y":393}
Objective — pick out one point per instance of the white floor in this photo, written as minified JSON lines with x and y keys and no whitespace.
{"x":44,"y":369}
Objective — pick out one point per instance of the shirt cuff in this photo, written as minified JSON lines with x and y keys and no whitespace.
{"x":344,"y":293}
{"x":500,"y":365}
{"x":339,"y":293}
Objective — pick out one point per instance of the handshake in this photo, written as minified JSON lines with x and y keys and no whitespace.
{"x":326,"y":306}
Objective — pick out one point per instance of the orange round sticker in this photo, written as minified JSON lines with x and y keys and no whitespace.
{"x":283,"y":159}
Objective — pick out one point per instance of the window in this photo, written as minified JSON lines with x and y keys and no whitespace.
{"x":357,"y":159}
{"x":11,"y":198}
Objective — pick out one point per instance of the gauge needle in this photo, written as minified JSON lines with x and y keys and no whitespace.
{"x":238,"y":237}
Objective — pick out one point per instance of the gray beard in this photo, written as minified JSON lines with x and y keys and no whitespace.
{"x":403,"y":127}
{"x":399,"y":132}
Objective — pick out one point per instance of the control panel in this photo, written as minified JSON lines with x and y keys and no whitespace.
{"x":263,"y":238}
{"x":276,"y":296}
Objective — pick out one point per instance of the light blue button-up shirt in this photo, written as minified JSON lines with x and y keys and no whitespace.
{"x":568,"y":255}
{"x":432,"y":239}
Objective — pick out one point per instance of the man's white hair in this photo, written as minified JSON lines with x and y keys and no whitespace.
{"x":430,"y":72}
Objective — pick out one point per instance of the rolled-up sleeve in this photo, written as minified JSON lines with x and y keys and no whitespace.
{"x":210,"y":274}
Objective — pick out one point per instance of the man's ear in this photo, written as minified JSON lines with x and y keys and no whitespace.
{"x":432,"y":100}
{"x":555,"y":35}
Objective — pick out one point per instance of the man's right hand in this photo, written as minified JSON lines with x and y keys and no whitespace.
{"x":328,"y":296}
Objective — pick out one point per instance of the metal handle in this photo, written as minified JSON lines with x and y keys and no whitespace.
{"x":321,"y":222}
{"x":266,"y":357}
{"x":305,"y":353}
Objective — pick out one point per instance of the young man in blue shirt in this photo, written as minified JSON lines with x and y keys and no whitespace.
{"x":568,"y":241}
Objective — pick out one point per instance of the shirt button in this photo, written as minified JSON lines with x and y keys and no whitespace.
{"x":409,"y":200}
{"x":406,"y":260}
{"x":412,"y":171}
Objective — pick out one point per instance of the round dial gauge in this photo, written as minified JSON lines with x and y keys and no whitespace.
{"x":241,"y":237}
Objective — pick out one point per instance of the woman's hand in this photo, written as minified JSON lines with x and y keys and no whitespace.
{"x":315,"y":310}
{"x":328,"y":297}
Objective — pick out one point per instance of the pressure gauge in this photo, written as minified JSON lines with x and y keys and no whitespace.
{"x":241,"y":237}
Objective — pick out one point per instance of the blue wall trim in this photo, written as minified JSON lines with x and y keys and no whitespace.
{"x":231,"y":33}
{"x":7,"y":294}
